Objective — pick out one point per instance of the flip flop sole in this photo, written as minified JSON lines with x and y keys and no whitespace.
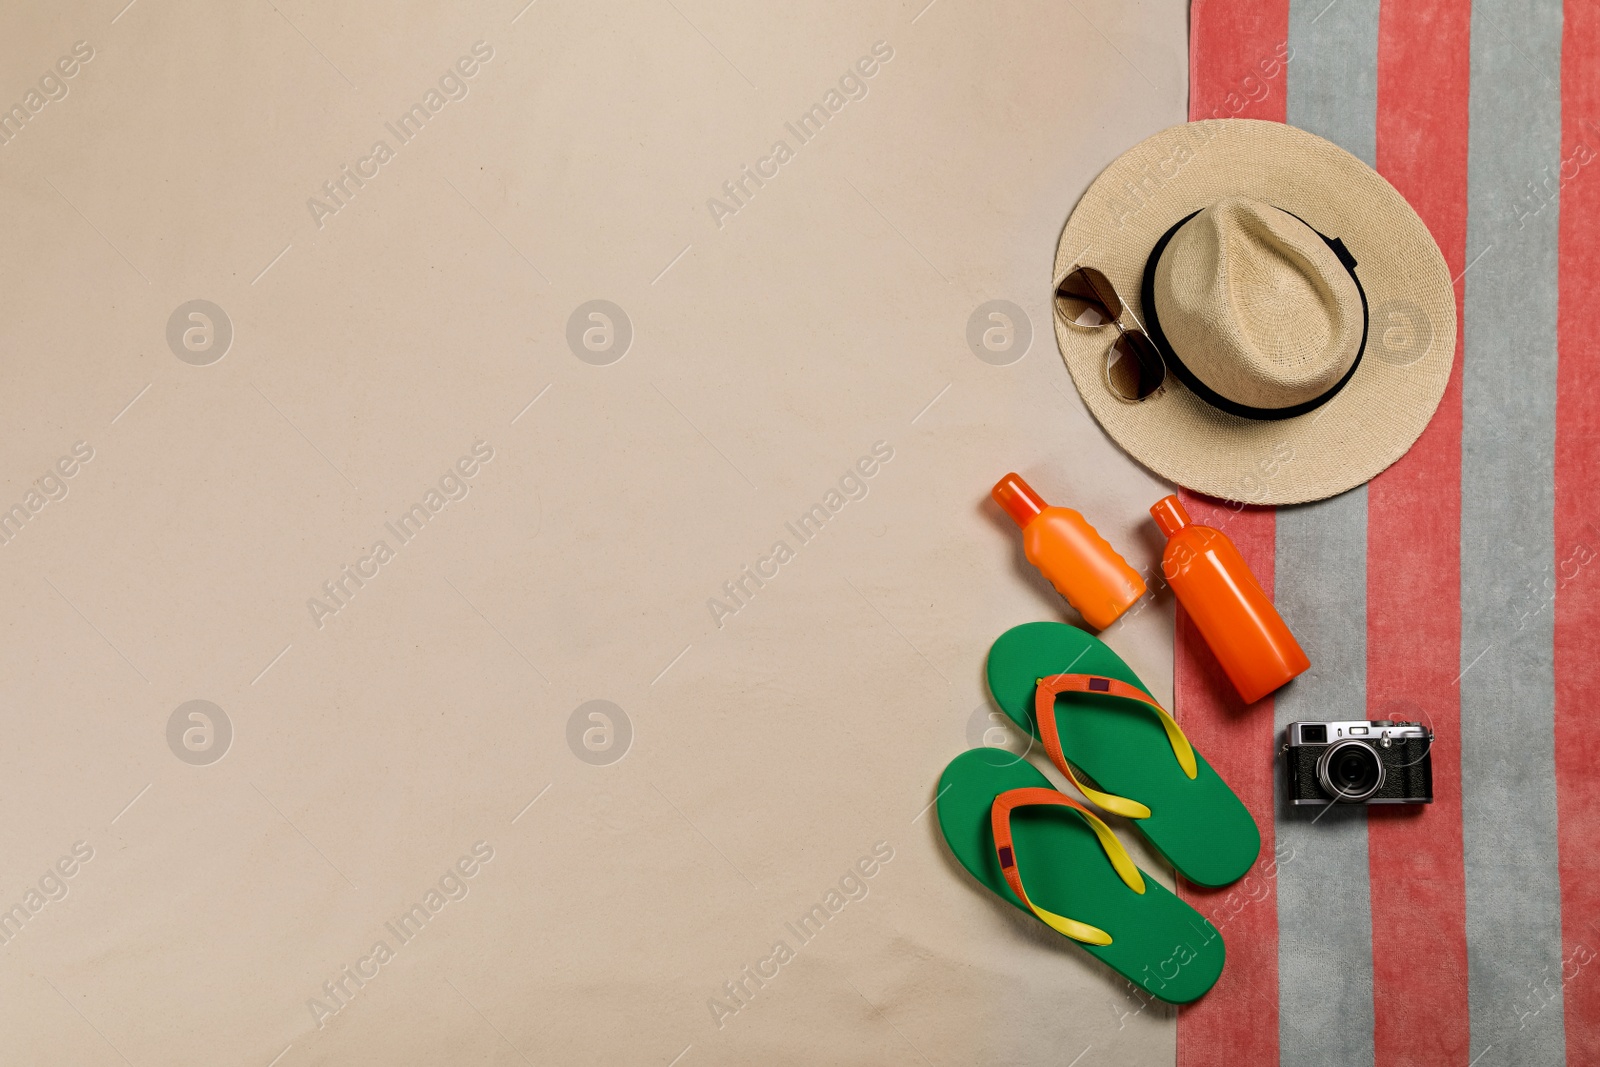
{"x":1200,"y":826}
{"x":1158,"y":942}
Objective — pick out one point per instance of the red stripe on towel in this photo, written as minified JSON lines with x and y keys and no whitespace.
{"x":1236,"y":49}
{"x":1414,"y":571}
{"x":1576,"y":579}
{"x":1237,"y":1022}
{"x":1236,"y":70}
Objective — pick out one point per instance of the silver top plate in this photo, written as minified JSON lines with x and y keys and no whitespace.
{"x":1358,"y":729}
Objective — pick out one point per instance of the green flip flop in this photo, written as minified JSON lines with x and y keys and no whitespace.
{"x":1095,"y":719}
{"x":1008,"y":825}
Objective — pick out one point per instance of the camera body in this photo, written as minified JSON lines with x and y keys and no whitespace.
{"x":1359,"y":761}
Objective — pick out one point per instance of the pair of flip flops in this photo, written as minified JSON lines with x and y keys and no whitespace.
{"x":1098,"y":723}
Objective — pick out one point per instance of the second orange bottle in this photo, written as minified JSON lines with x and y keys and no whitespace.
{"x":1080,"y":563}
{"x":1228,"y":606}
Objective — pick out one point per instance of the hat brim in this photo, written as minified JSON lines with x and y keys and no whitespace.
{"x":1411,"y":343}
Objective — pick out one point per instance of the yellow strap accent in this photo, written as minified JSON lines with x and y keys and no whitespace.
{"x":1123,"y":806}
{"x":1180,"y":744}
{"x":1128,"y":809}
{"x":1121,"y":862}
{"x":1089,"y":935}
{"x":1000,"y":819}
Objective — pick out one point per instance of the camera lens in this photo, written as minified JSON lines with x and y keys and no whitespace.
{"x":1350,"y":771}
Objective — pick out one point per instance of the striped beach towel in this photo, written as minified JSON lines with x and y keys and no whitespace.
{"x":1462,"y":586}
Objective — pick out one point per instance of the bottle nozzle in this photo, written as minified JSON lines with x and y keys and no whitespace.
{"x":1017,"y":499}
{"x":1169,"y":515}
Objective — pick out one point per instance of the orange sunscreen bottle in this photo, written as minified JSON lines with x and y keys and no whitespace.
{"x":1217,"y":589}
{"x":1068,"y":551}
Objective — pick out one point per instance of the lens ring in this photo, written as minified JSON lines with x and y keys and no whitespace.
{"x":1350,"y":771}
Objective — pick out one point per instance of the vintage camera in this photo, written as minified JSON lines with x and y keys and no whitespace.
{"x":1359,"y":762}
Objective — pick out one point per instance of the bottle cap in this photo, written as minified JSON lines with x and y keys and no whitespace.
{"x":1017,"y":499}
{"x":1169,"y":515}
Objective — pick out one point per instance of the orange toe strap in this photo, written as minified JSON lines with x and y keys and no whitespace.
{"x":1000,"y":823}
{"x":1044,"y":707}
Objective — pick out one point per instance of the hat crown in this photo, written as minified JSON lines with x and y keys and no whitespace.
{"x":1257,"y":305}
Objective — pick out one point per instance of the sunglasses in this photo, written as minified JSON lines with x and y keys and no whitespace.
{"x":1134,"y":369}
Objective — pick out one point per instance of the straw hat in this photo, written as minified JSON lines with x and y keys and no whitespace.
{"x":1305,"y":314}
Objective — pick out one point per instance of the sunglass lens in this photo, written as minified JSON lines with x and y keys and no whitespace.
{"x":1088,"y":298}
{"x":1134,"y":369}
{"x":1102,"y":288}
